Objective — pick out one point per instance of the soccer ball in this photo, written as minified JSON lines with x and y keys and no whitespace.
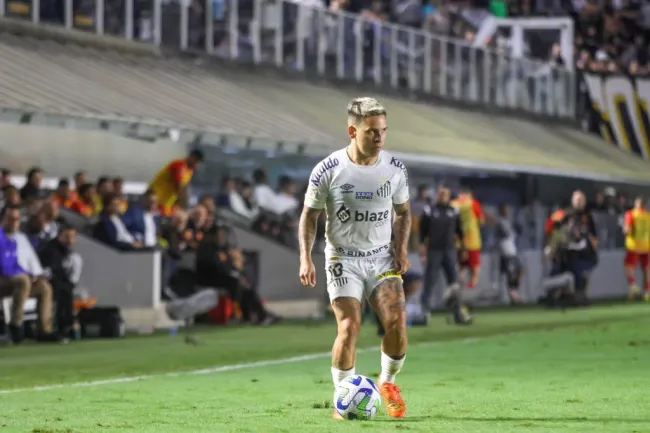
{"x":357,"y":397}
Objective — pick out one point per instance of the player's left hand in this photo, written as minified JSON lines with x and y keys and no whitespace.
{"x":401,"y":262}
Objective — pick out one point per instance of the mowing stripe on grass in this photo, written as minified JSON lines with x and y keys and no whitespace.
{"x":218,"y":369}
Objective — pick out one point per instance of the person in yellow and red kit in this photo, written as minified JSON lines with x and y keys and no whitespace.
{"x":471,"y":218}
{"x":636,"y":227}
{"x":170,"y":183}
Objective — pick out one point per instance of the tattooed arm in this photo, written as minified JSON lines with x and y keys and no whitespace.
{"x":402,"y":225}
{"x":307,"y":230}
{"x":306,"y":236}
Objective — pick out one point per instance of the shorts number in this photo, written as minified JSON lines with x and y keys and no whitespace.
{"x":335,"y":270}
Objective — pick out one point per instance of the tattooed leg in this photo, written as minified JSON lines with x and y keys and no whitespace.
{"x":389,"y":302}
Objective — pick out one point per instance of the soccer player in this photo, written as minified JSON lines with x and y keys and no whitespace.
{"x":360,"y":187}
{"x":170,"y":183}
{"x":471,"y":218}
{"x":636,"y":227}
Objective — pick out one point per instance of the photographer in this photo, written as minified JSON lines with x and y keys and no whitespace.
{"x":581,"y":244}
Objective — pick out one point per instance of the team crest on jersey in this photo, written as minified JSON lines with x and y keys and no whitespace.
{"x":347,"y":188}
{"x":343,"y":214}
{"x":384,"y":190}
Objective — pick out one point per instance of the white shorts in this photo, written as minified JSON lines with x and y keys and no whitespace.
{"x":357,"y":277}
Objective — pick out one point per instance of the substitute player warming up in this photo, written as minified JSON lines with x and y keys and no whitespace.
{"x":636,"y":227}
{"x":360,"y":187}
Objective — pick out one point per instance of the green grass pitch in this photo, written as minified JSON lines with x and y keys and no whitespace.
{"x":520,"y":371}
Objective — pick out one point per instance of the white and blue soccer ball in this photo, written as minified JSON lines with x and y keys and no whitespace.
{"x":357,"y":397}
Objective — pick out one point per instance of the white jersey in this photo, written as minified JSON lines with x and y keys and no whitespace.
{"x":359,"y":202}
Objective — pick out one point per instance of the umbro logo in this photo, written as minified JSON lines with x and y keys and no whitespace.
{"x":347,"y":188}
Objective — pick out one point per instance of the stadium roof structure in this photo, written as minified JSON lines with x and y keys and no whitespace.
{"x":52,"y":77}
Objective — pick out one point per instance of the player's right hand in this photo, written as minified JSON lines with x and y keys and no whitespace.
{"x":307,"y":273}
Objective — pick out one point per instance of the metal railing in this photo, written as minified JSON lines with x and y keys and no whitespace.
{"x":328,"y":43}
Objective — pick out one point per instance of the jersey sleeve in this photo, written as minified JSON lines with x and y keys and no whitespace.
{"x":318,"y":189}
{"x":628,"y":219}
{"x":478,"y":211}
{"x":401,"y":195}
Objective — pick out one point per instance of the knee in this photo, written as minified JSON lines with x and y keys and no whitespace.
{"x":22,"y":283}
{"x":348,"y":329}
{"x":43,"y":289}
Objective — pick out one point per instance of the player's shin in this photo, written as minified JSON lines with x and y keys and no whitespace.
{"x":344,"y":351}
{"x":393,"y":347}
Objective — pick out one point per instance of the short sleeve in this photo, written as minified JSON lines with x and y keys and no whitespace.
{"x":401,"y":194}
{"x":629,"y":218}
{"x":318,"y":189}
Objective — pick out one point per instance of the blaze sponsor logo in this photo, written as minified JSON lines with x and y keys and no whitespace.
{"x":322,"y":168}
{"x":621,"y":104}
{"x":343,"y":214}
{"x":368,"y":216}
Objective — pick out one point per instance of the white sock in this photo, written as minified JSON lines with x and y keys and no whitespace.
{"x":339,"y":375}
{"x":389,"y":368}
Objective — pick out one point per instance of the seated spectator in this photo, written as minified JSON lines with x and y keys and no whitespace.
{"x":142,"y":220}
{"x":286,"y":201}
{"x":64,"y":268}
{"x":242,"y":201}
{"x":63,"y":195}
{"x":42,"y":226}
{"x":32,"y":189}
{"x":172,"y":234}
{"x":118,"y":190}
{"x":5,"y":177}
{"x":10,"y":196}
{"x":104,"y":189}
{"x":207,"y":200}
{"x":85,"y":202}
{"x":263,"y":194}
{"x":221,"y":267}
{"x":110,"y":228}
{"x":228,"y":185}
{"x":196,"y":226}
{"x":80,"y":178}
{"x":20,"y":285}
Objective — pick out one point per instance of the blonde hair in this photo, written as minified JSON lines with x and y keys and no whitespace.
{"x":362,"y":107}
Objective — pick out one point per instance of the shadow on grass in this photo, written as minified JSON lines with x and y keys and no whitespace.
{"x":574,"y":419}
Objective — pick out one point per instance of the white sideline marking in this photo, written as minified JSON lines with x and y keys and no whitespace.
{"x":219,"y":369}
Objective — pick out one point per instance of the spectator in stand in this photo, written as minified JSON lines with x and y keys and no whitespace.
{"x":11,"y":196}
{"x":142,"y":220}
{"x":172,"y":234}
{"x":263,"y":194}
{"x":240,"y":202}
{"x":64,"y":267}
{"x":111,"y":230}
{"x":196,"y":226}
{"x":63,"y":195}
{"x":104,"y":189}
{"x":5,"y":177}
{"x":228,"y":186}
{"x":43,"y":226}
{"x":85,"y":201}
{"x":118,"y":190}
{"x":80,"y":178}
{"x":207,"y":201}
{"x":18,"y":284}
{"x":32,"y":189}
{"x":285,"y":200}
{"x":219,"y":266}
{"x":171,"y":182}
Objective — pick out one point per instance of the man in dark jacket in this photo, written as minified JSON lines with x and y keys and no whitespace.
{"x":56,"y":258}
{"x":221,"y":267}
{"x":439,"y":230}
